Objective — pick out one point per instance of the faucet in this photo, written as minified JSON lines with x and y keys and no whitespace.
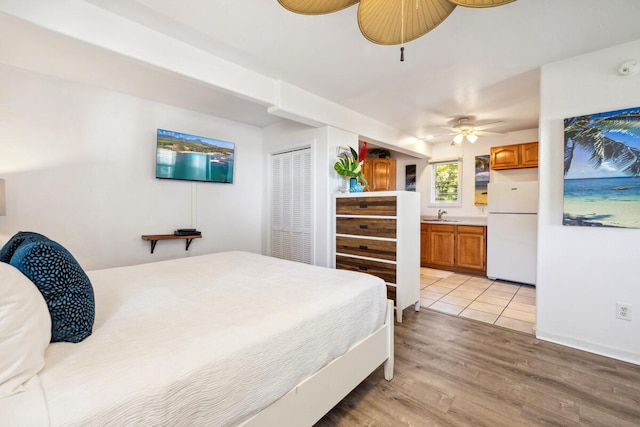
{"x":440,"y":213}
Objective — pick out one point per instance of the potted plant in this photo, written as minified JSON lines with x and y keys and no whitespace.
{"x":349,"y":166}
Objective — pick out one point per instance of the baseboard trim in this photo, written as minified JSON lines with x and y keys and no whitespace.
{"x":614,"y":353}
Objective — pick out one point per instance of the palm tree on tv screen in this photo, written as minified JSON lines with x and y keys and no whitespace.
{"x":593,"y":134}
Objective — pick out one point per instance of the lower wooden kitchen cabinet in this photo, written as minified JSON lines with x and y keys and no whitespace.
{"x":441,"y":245}
{"x":461,"y":248}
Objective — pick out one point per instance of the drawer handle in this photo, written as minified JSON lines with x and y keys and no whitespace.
{"x":364,"y":247}
{"x":362,"y":267}
{"x":364,"y":226}
{"x":363,"y":206}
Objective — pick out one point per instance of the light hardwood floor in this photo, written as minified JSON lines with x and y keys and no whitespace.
{"x":452,"y":371}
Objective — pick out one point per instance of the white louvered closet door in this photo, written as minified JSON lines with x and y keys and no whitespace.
{"x":291,"y":198}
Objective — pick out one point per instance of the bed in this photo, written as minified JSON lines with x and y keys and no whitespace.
{"x":232,"y":338}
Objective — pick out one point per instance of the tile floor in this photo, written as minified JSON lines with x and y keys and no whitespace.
{"x":505,"y":304}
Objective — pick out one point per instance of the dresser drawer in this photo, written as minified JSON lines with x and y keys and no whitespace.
{"x":367,"y":227}
{"x":382,"y":249}
{"x":383,"y":270}
{"x":391,"y":292}
{"x":382,"y":206}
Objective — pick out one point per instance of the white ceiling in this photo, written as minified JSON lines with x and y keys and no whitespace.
{"x":479,"y":62}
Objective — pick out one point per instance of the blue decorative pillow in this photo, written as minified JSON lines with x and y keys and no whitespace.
{"x":10,"y":247}
{"x":64,"y":286}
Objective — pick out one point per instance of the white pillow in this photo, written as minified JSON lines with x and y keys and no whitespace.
{"x":25,"y":330}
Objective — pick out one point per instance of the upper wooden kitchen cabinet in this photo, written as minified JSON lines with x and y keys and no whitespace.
{"x":460,"y":248}
{"x":529,"y":155}
{"x":515,"y":156}
{"x":380,"y":174}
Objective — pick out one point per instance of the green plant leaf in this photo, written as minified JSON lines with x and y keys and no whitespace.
{"x":354,"y":153}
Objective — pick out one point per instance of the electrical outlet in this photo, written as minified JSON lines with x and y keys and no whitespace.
{"x":623,"y":311}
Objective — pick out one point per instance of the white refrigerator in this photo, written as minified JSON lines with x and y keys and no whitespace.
{"x":512,"y":226}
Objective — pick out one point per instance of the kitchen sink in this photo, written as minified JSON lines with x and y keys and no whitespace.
{"x":441,"y":220}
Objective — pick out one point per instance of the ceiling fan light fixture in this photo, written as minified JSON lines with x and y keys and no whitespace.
{"x":472,"y":138}
{"x":458,"y":138}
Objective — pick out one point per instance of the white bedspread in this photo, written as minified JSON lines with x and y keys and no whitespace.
{"x":207,"y":340}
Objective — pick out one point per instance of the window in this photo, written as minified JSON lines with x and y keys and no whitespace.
{"x":446,"y":183}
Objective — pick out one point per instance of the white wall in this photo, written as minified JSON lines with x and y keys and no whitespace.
{"x":79,"y":164}
{"x":584,"y":271}
{"x":324,"y":142}
{"x":468,"y":152}
{"x":42,"y":27}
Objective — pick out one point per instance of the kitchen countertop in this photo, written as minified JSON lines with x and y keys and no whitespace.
{"x":455,"y":220}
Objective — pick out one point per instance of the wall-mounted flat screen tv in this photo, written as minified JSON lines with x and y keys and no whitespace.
{"x":193,"y":158}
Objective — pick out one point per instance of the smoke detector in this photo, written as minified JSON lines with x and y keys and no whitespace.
{"x":629,"y":68}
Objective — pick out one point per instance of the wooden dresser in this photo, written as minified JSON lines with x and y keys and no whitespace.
{"x":379,"y":233}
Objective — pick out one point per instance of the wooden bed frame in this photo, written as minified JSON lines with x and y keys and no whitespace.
{"x":310,"y":400}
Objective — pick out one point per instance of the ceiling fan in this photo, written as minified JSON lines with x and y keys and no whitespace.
{"x":390,"y":22}
{"x":465,"y":128}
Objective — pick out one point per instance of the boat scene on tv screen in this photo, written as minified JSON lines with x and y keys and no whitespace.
{"x":193,"y":158}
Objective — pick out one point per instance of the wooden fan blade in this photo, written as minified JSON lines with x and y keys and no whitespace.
{"x":380,"y":21}
{"x":480,"y":3}
{"x":316,"y":7}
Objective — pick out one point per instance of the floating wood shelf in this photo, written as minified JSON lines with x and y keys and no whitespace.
{"x":153,"y":238}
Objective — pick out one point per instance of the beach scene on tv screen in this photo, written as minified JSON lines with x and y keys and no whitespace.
{"x":193,"y":158}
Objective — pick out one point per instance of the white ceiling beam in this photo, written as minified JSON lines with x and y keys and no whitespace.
{"x":98,"y":27}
